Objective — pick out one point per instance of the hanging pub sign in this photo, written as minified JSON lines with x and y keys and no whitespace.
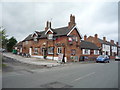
{"x":70,"y":39}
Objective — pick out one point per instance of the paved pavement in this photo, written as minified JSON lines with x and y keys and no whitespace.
{"x":34,"y":61}
{"x":74,"y":75}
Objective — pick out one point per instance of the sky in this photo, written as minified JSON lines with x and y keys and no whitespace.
{"x":23,"y":18}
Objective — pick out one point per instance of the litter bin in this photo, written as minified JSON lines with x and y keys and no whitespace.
{"x":14,"y":51}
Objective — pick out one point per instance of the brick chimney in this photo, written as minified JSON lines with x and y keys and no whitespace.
{"x":85,"y":37}
{"x":72,"y":21}
{"x":96,"y":36}
{"x":112,"y":41}
{"x":104,"y":39}
{"x":117,"y":43}
{"x":48,"y":25}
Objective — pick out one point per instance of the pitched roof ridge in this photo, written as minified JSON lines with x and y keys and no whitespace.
{"x":60,"y":27}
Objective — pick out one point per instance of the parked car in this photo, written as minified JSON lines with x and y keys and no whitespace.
{"x":117,"y":58}
{"x":2,"y":50}
{"x":103,"y":58}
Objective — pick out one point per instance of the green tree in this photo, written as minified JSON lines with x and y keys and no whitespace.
{"x":11,"y":42}
{"x":3,"y":38}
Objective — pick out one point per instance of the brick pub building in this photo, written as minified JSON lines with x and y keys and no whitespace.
{"x":52,"y":42}
{"x":65,"y":41}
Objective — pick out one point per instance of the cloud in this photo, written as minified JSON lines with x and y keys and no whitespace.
{"x":21,"y":19}
{"x":0,"y":14}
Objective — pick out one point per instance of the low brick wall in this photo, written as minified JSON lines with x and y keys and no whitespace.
{"x":112,"y":57}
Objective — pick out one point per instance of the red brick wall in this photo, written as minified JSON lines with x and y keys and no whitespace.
{"x":49,"y":43}
{"x":70,"y":47}
{"x":94,"y":40}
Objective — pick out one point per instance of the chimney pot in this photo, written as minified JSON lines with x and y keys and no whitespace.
{"x":117,"y":43}
{"x":96,"y":36}
{"x":85,"y":37}
{"x":112,"y":41}
{"x":48,"y":25}
{"x":72,"y":21}
{"x":104,"y":39}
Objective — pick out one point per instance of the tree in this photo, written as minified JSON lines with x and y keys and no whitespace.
{"x":11,"y":42}
{"x":3,"y":38}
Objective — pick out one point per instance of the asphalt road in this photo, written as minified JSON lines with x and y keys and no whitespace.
{"x":74,"y":75}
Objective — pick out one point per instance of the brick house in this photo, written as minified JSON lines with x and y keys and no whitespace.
{"x":89,"y":49}
{"x":106,"y":47}
{"x":114,"y":48}
{"x":52,"y":42}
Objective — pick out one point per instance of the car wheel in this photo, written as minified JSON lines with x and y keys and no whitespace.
{"x":108,"y":61}
{"x":96,"y":61}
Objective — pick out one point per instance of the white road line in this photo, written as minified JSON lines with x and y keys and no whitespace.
{"x":83,"y":77}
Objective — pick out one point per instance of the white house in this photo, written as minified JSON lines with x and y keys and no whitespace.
{"x":106,"y":49}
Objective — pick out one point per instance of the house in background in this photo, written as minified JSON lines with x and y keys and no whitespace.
{"x":105,"y":47}
{"x":89,"y":49}
{"x":18,"y":47}
{"x":52,"y":42}
{"x":114,"y":49}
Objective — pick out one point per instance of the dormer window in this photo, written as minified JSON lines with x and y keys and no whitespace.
{"x":50,"y":36}
{"x":35,"y":39}
{"x":26,"y":42}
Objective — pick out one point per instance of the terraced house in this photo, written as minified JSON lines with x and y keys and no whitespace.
{"x":105,"y":47}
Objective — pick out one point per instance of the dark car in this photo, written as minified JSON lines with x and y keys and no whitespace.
{"x":117,"y":58}
{"x":103,"y":58}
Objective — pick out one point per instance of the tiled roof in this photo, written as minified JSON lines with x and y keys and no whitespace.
{"x":103,"y":42}
{"x":57,"y":32}
{"x":19,"y":44}
{"x":28,"y":37}
{"x":108,"y":43}
{"x":88,"y":45}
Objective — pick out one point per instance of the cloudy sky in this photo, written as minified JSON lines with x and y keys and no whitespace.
{"x":22,"y":18}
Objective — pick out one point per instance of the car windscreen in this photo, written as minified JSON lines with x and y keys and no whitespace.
{"x":101,"y":56}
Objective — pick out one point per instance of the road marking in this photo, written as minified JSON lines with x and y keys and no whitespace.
{"x":83,"y":77}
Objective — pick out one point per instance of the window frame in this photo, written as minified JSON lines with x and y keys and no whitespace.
{"x":86,"y":50}
{"x":73,"y":50}
{"x":96,"y":52}
{"x":50,"y":36}
{"x":35,"y":39}
{"x":36,"y":51}
{"x":59,"y":49}
{"x":48,"y":50}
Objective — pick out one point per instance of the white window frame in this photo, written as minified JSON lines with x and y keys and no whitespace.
{"x":49,"y":50}
{"x":59,"y":49}
{"x":96,"y":52}
{"x":36,"y":51}
{"x":50,"y":36}
{"x":88,"y":51}
{"x":26,"y":42}
{"x":35,"y":39}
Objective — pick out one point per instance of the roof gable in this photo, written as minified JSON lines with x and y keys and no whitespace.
{"x":75,"y":28}
{"x":48,"y":31}
{"x":35,"y":33}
